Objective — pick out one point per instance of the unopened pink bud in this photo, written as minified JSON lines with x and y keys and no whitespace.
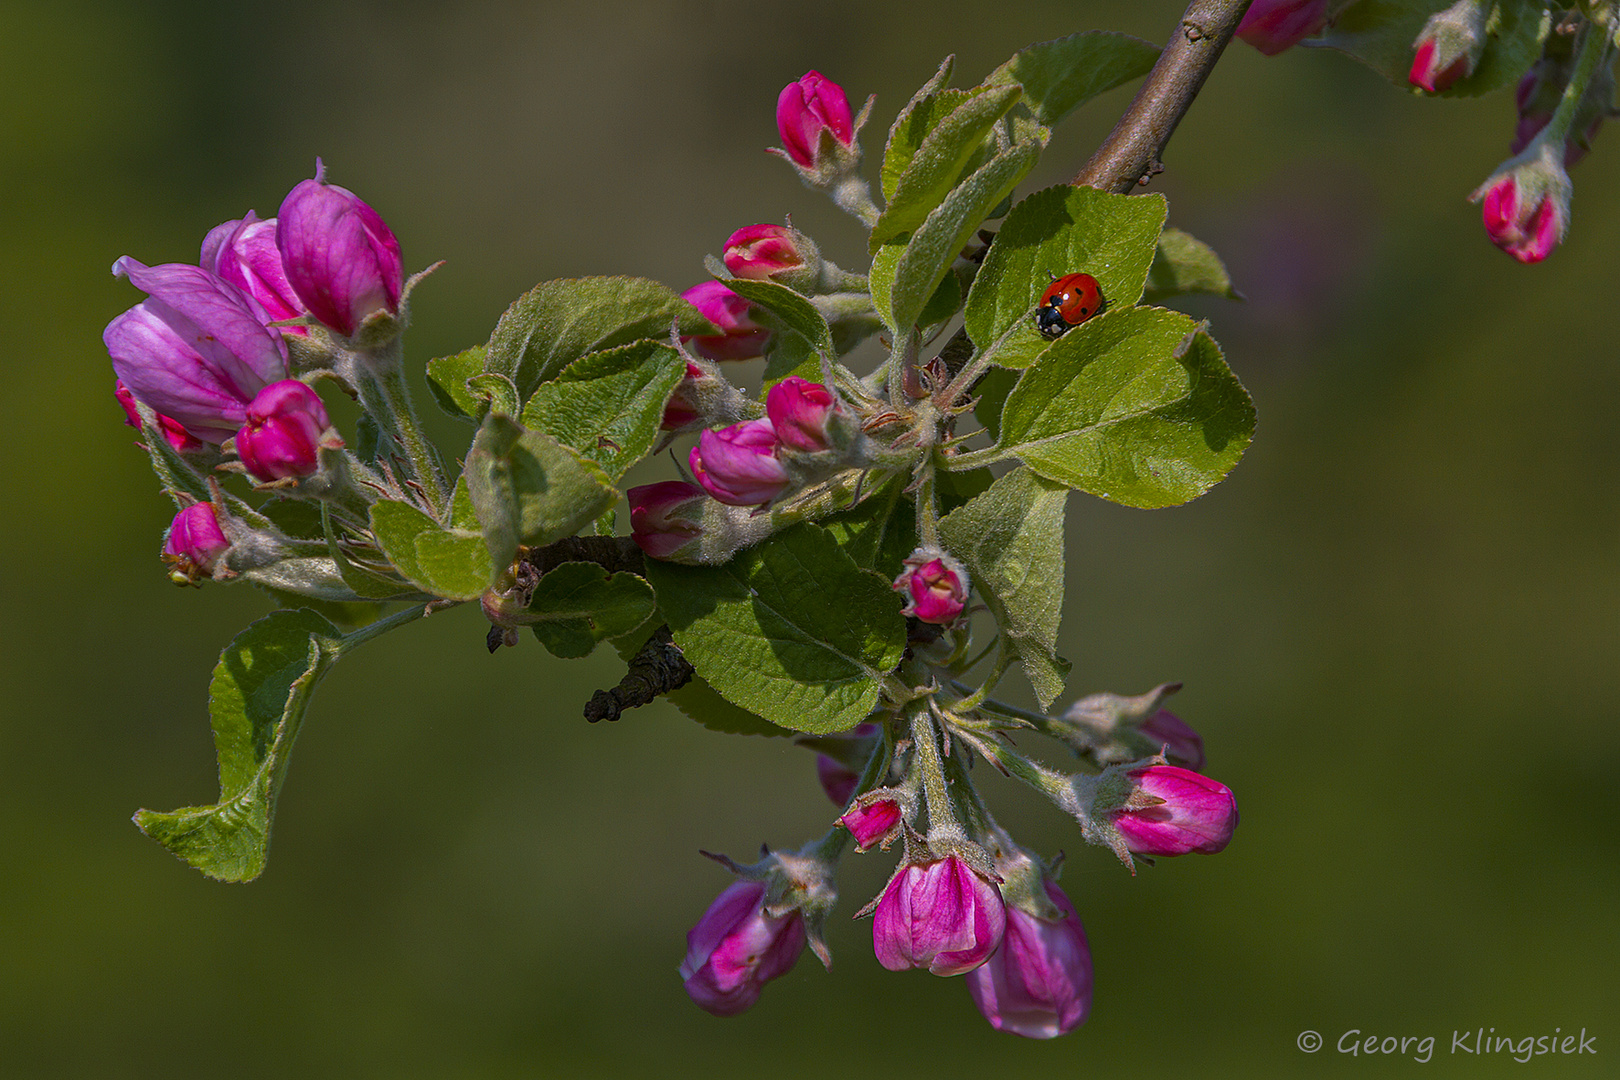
{"x":736,"y":948}
{"x":283,"y":434}
{"x":1194,"y":814}
{"x":244,"y":253}
{"x":1527,"y":229}
{"x":1274,"y":25}
{"x":760,"y":251}
{"x":680,"y":411}
{"x":935,"y":587}
{"x":873,"y":823}
{"x":808,"y":107}
{"x":1171,"y":736}
{"x":1038,"y":984}
{"x":738,"y":465}
{"x":341,"y":258}
{"x":1449,"y":46}
{"x":194,"y":543}
{"x":799,"y":410}
{"x":941,"y":916}
{"x":173,"y":432}
{"x":665,"y":517}
{"x":740,"y":337}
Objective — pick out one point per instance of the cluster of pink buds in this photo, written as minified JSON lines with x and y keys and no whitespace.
{"x":744,"y":464}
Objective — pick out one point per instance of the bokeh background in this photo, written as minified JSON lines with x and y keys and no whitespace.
{"x":1396,"y":621}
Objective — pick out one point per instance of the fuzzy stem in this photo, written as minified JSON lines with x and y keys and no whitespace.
{"x":1130,"y":154}
{"x":1594,"y":47}
{"x":381,"y":627}
{"x":942,"y":823}
{"x":854,"y":196}
{"x":378,"y":375}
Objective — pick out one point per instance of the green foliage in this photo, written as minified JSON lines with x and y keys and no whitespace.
{"x":258,"y":697}
{"x":529,"y":489}
{"x":792,"y":629}
{"x":1184,"y":264}
{"x":1380,"y":33}
{"x":793,"y":313}
{"x":447,"y":378}
{"x":1133,"y":406}
{"x":879,"y":533}
{"x":608,"y":405}
{"x":1060,"y":230}
{"x":579,"y":604}
{"x":453,"y":563}
{"x":557,"y":322}
{"x":1011,"y":540}
{"x":1059,"y":76}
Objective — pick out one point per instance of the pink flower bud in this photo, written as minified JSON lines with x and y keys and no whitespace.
{"x":735,"y":949}
{"x":244,"y":253}
{"x":194,"y":543}
{"x":1449,"y":46}
{"x":1038,"y":984}
{"x":340,"y":256}
{"x":665,"y":517}
{"x":740,"y":338}
{"x":737,"y":464}
{"x":680,"y":411}
{"x":1164,"y":729}
{"x":283,"y":433}
{"x":1526,"y":207}
{"x":838,"y":781}
{"x":196,"y":349}
{"x":1195,"y":814}
{"x":799,"y":409}
{"x":873,"y":823}
{"x":761,"y":251}
{"x":807,"y":108}
{"x":939,"y":915}
{"x":1274,"y":25}
{"x":935,"y":587}
{"x":173,"y":433}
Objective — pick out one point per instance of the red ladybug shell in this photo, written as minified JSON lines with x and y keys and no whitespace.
{"x":1069,"y":301}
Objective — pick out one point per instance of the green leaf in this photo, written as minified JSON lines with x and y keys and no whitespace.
{"x":792,"y":629}
{"x":608,"y":405}
{"x":915,"y":119}
{"x":452,"y":563}
{"x":259,"y":694}
{"x":794,"y":312}
{"x":1183,"y":264}
{"x":579,"y":604}
{"x":879,"y":532}
{"x":447,"y":381}
{"x":1134,"y":410}
{"x":1011,"y":540}
{"x":530,"y":489}
{"x":929,"y":252}
{"x":1061,"y":230}
{"x":697,"y":700}
{"x":790,"y":354}
{"x":1059,"y":76}
{"x":1380,"y":33}
{"x":952,"y":127}
{"x":557,"y":322}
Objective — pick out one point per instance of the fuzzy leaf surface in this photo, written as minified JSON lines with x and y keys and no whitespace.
{"x":447,"y":381}
{"x":1011,"y":540}
{"x":452,"y":563}
{"x":929,"y":153}
{"x":257,"y":700}
{"x":580,"y":604}
{"x":530,"y":489}
{"x":793,"y":311}
{"x":1138,"y":411}
{"x":608,"y":405}
{"x":791,"y":630}
{"x":1185,"y":264}
{"x":557,"y":322}
{"x":1060,"y":230}
{"x":1061,"y":75}
{"x":1380,"y":33}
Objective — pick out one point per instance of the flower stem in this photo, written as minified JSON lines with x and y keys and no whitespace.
{"x":1594,"y":48}
{"x":379,"y":378}
{"x":942,"y":823}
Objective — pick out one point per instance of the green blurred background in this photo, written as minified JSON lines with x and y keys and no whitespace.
{"x":1393,"y":620}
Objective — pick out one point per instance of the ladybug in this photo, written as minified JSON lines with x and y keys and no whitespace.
{"x":1069,"y":301}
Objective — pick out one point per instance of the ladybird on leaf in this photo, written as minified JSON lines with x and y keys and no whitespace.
{"x":1069,"y":301}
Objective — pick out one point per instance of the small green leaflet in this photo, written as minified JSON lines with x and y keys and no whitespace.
{"x":791,"y":629}
{"x":447,"y":381}
{"x":1184,"y":264}
{"x":1059,"y":76}
{"x":453,"y":563}
{"x":608,"y":405}
{"x":578,"y":604}
{"x":258,"y":697}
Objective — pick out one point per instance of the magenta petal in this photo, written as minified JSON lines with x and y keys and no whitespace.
{"x":1038,"y":983}
{"x":1197,"y":814}
{"x":341,"y":258}
{"x":941,"y":916}
{"x":736,"y":948}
